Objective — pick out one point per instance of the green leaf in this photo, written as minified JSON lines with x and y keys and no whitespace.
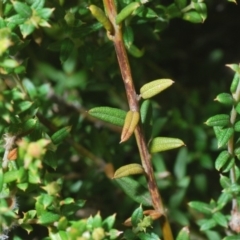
{"x":29,"y":86}
{"x":1,"y":179}
{"x":152,"y":88}
{"x":97,"y":221}
{"x":201,"y":8}
{"x":146,"y":12}
{"x":237,"y":108}
{"x":229,"y":165}
{"x":183,"y":234}
{"x":193,"y":17}
{"x":237,"y":126}
{"x":47,"y":218}
{"x":135,"y":52}
{"x":201,"y":207}
{"x":109,"y":222}
{"x":235,"y":83}
{"x":61,"y":235}
{"x":220,"y":219}
{"x":222,"y":158}
{"x":66,"y":49}
{"x":128,"y":36}
{"x":225,"y":181}
{"x":208,"y":224}
{"x":126,"y":12}
{"x":84,"y":30}
{"x":225,"y":98}
{"x":61,"y":134}
{"x":112,"y":115}
{"x":148,"y":236}
{"x":172,"y":11}
{"x":220,"y":120}
{"x":45,"y":13}
{"x":22,"y":9}
{"x":137,"y":216}
{"x":38,"y":4}
{"x":135,"y":190}
{"x":128,"y":170}
{"x":180,"y":3}
{"x":223,"y":200}
{"x":26,"y":29}
{"x":160,"y":144}
{"x":146,"y":118}
{"x":15,"y":20}
{"x":233,"y":189}
{"x":233,"y":237}
{"x":224,"y":136}
{"x":114,"y":234}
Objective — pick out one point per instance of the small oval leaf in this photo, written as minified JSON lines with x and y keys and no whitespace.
{"x":127,"y":170}
{"x":225,"y":98}
{"x":224,"y":136}
{"x":126,"y":12}
{"x":193,"y":17}
{"x":101,"y":17}
{"x":59,"y":136}
{"x":160,"y":144}
{"x":220,"y":120}
{"x":152,"y":88}
{"x":234,"y":83}
{"x":130,"y":123}
{"x":112,"y":115}
{"x":222,"y":159}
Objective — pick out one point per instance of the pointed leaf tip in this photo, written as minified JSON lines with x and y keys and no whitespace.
{"x":130,"y":123}
{"x":161,"y":144}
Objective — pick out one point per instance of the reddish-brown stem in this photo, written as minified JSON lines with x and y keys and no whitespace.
{"x":124,"y":65}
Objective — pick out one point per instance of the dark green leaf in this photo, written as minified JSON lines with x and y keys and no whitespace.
{"x":61,"y":134}
{"x":135,"y":190}
{"x":220,"y":219}
{"x":222,"y":158}
{"x":201,"y":207}
{"x":180,"y":3}
{"x":146,"y":118}
{"x":137,"y":216}
{"x":208,"y":224}
{"x":112,"y":115}
{"x":224,"y":136}
{"x":66,"y":49}
{"x":234,"y":83}
{"x":128,"y":36}
{"x":225,"y":181}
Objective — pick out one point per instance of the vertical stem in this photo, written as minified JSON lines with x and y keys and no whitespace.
{"x":124,"y":65}
{"x":233,"y":116}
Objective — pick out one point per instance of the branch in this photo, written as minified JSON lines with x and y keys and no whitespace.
{"x":124,"y":65}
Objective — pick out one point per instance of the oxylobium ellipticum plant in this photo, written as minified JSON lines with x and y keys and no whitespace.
{"x":41,"y":100}
{"x":226,"y":127}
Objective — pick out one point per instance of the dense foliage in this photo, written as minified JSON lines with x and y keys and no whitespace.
{"x":64,"y":110}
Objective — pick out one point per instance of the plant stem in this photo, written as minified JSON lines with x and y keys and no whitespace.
{"x":124,"y":65}
{"x":233,"y":116}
